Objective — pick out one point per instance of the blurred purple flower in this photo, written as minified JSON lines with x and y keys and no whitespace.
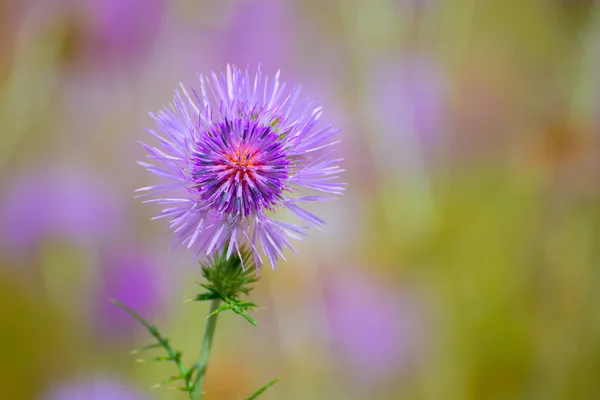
{"x":416,"y":5}
{"x":409,"y":96}
{"x":97,"y":388}
{"x":259,"y":33}
{"x":67,"y":203}
{"x":241,"y":147}
{"x":375,"y":329}
{"x":99,"y":34}
{"x":119,"y":30}
{"x":129,"y":276}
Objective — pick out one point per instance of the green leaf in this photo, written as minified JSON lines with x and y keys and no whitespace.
{"x":163,"y":358}
{"x":262,"y":389}
{"x":247,"y":317}
{"x":147,"y":347}
{"x":135,"y":315}
{"x":167,"y":381}
{"x":224,"y":307}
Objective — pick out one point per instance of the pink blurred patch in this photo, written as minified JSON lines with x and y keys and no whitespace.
{"x":260,"y":32}
{"x":96,"y":388}
{"x":409,"y":95}
{"x":376,"y":329}
{"x":64,"y":202}
{"x":120,"y":30}
{"x":130,"y":276}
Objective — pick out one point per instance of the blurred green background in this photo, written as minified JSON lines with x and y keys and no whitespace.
{"x":462,"y":262}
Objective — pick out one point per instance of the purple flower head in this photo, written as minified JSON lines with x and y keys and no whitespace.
{"x":241,"y":148}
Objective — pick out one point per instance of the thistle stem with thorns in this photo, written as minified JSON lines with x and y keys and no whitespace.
{"x":227,"y":280}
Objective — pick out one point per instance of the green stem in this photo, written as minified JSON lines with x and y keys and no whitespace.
{"x":201,"y":364}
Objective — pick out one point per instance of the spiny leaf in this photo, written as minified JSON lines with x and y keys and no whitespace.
{"x":227,"y":276}
{"x":135,"y":315}
{"x":247,"y":305}
{"x":227,"y":280}
{"x":262,"y":389}
{"x":163,"y":342}
{"x":224,"y":307}
{"x":163,"y":358}
{"x":147,"y":347}
{"x":246,"y":317}
{"x":237,"y":306}
{"x":167,"y":381}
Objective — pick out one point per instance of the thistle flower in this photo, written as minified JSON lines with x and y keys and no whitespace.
{"x":241,"y":148}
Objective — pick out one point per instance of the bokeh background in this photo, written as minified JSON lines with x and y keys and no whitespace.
{"x":463,"y":261}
